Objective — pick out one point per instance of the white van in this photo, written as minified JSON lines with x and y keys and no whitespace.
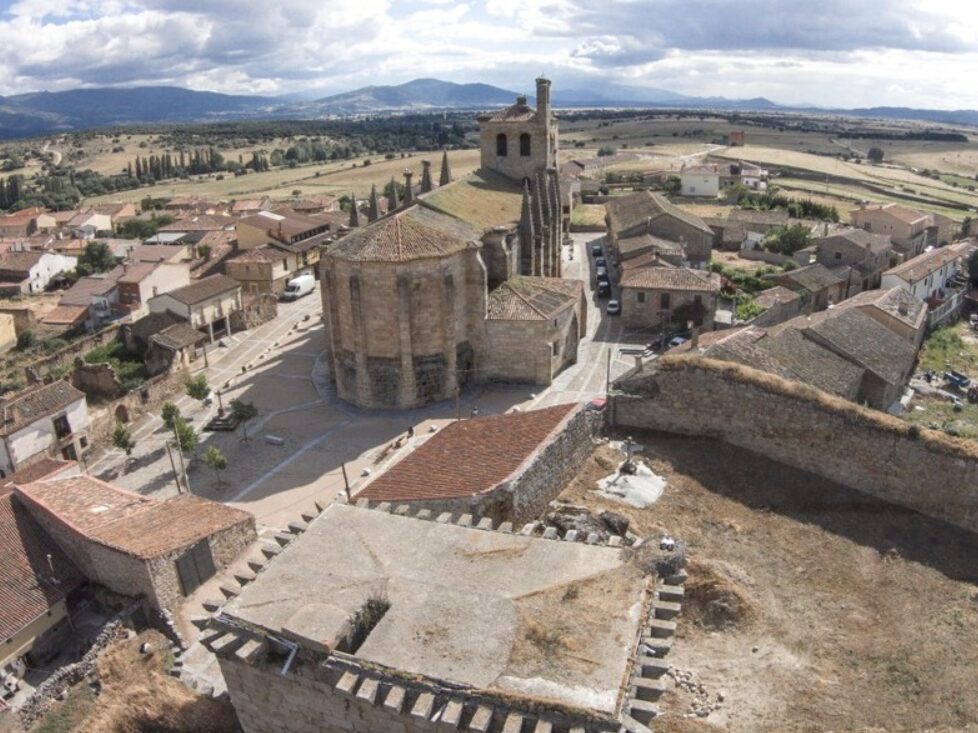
{"x":299,"y":286}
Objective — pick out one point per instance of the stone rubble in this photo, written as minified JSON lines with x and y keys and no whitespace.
{"x":704,"y":702}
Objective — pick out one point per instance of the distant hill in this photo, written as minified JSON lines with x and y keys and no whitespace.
{"x":27,"y":115}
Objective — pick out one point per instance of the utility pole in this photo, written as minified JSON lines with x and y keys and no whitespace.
{"x":346,"y":482}
{"x":183,"y":469}
{"x":176,"y":476}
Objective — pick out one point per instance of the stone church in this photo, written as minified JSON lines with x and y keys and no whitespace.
{"x":460,"y":282}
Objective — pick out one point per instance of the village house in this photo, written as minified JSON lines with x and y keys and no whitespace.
{"x":88,"y":225}
{"x":779,"y":304}
{"x":906,"y":227}
{"x":938,"y":277}
{"x":281,"y":225}
{"x":21,"y":223}
{"x":248,"y":207}
{"x":173,"y":347}
{"x":170,"y":254}
{"x":651,"y":213}
{"x":49,"y":420}
{"x":266,"y":269}
{"x":896,"y":308}
{"x":818,"y":286}
{"x":118,"y":213}
{"x":206,"y":304}
{"x":31,"y":271}
{"x":700,"y":180}
{"x":93,"y":301}
{"x":144,"y":280}
{"x":515,"y":464}
{"x":36,"y":580}
{"x":136,"y":545}
{"x":352,"y":652}
{"x":860,"y":255}
{"x":669,"y":298}
{"x":198,"y":223}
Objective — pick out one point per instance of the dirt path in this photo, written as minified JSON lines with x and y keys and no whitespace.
{"x":809,"y":606}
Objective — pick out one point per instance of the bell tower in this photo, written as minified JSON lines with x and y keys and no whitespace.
{"x":519,"y":141}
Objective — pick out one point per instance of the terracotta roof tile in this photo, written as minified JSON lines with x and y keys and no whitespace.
{"x":178,"y":336}
{"x":482,"y":199}
{"x":28,"y":587}
{"x":130,"y":523}
{"x":19,"y":262}
{"x":917,"y":268}
{"x":413,"y":234}
{"x":35,"y":403}
{"x":671,"y":278}
{"x":468,"y":457}
{"x":204,"y":289}
{"x":532,"y":298}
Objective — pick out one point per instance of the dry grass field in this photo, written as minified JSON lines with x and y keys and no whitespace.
{"x":809,"y":607}
{"x":337,"y":178}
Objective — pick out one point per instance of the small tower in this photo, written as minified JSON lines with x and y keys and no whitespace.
{"x":373,"y":211}
{"x":354,"y":212}
{"x":393,"y":203}
{"x":520,"y":141}
{"x":426,"y":184}
{"x":446,"y":173}
{"x":408,"y":188}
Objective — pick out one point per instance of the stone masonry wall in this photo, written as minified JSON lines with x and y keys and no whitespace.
{"x":550,"y":470}
{"x":226,"y":547}
{"x":795,"y":424}
{"x":304,"y":701}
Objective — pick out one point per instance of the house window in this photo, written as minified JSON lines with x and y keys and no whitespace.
{"x":61,"y":427}
{"x":698,"y":300}
{"x":525,"y":144}
{"x":501,"y":145}
{"x":553,"y":348}
{"x":838,"y":255}
{"x":640,"y":297}
{"x":664,"y":301}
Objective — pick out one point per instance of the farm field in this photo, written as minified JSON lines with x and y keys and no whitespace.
{"x":846,"y":197}
{"x":330,"y":178}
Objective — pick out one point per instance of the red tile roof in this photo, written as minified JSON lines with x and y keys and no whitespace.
{"x":130,"y":523}
{"x":469,"y":457}
{"x":409,"y":235}
{"x":204,"y":289}
{"x":34,"y":573}
{"x":671,"y":278}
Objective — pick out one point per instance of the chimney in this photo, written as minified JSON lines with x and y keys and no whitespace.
{"x":521,"y":99}
{"x":543,"y":99}
{"x":408,"y":190}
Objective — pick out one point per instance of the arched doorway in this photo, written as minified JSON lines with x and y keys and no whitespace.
{"x":122,"y":414}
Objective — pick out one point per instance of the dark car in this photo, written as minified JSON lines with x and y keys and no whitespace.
{"x":601,"y":272}
{"x":596,"y":250}
{"x":600,"y":262}
{"x":604,"y":290}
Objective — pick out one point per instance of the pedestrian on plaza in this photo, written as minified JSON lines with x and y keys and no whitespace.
{"x":410,"y":432}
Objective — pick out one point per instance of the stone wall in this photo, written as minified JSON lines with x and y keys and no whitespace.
{"x":257,"y":308}
{"x":800,"y":426}
{"x":525,"y":495}
{"x":66,"y":356}
{"x":148,"y":397}
{"x":226,"y":547}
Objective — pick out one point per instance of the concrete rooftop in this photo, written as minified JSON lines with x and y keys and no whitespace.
{"x":541,"y":618}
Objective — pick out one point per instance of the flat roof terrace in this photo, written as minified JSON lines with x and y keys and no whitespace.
{"x":523,"y":615}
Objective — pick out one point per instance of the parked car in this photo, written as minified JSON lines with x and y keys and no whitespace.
{"x":604,"y":280}
{"x":677,"y":341}
{"x":299,"y":286}
{"x":604,"y":290}
{"x":613,"y":308}
{"x":655,"y":344}
{"x":596,"y":250}
{"x":600,"y":262}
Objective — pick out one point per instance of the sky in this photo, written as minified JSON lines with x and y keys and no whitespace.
{"x":832,"y":53}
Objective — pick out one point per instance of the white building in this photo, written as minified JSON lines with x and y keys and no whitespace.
{"x":938,"y":277}
{"x":50,"y":420}
{"x":31,"y":271}
{"x":700,"y":180}
{"x":206,"y":304}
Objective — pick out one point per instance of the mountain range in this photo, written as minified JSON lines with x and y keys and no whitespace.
{"x":42,"y":113}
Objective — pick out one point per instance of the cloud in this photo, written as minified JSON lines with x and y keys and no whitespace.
{"x":775,"y":48}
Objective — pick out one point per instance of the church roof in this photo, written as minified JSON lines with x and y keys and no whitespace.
{"x":532,"y":298}
{"x":413,"y":234}
{"x":519,"y":112}
{"x":483,"y":199}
